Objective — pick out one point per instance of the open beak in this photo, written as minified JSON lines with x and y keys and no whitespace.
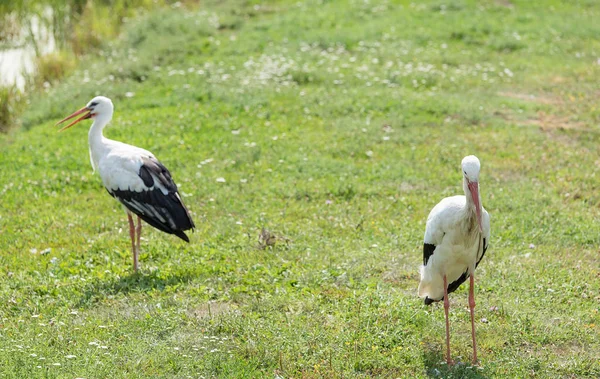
{"x":474,"y":189}
{"x":85,"y":116}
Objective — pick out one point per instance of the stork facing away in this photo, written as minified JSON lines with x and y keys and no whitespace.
{"x":134,"y":177}
{"x":456,"y":239}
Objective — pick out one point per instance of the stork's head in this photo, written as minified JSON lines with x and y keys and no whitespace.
{"x":99,"y":106}
{"x":470,"y":166}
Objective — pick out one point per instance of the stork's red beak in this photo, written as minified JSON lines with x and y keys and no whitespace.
{"x":85,"y":116}
{"x":474,"y":189}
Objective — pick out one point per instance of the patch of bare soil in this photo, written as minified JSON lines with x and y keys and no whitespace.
{"x":548,"y":122}
{"x":211,"y":309}
{"x":541,"y":99}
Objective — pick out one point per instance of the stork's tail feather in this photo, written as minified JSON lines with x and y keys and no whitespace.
{"x":429,"y":301}
{"x":181,"y":235}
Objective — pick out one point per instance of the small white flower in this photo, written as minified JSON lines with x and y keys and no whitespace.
{"x":129,"y":94}
{"x":71,"y":356}
{"x":220,"y":180}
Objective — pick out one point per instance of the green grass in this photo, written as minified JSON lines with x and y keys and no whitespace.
{"x":337,"y":126}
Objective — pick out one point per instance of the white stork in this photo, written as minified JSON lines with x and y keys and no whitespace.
{"x":456,"y":238}
{"x":134,"y":177}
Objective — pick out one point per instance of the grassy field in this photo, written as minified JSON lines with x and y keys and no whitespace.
{"x":334,"y":126}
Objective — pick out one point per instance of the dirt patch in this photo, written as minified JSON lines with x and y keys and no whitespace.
{"x":409,"y":187}
{"x":548,"y":122}
{"x":540,"y":99}
{"x":505,"y":3}
{"x":211,"y":309}
{"x":508,"y":175}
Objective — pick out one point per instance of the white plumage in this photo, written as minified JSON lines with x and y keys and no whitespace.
{"x":119,"y":164}
{"x":135,"y":177}
{"x":456,"y":238}
{"x":457,"y":246}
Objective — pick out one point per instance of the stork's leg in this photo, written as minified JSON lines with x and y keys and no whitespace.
{"x":138,"y":231}
{"x":133,"y":246}
{"x":446,"y":308}
{"x":472,"y":308}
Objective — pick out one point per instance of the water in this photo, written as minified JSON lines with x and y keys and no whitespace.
{"x":16,"y":63}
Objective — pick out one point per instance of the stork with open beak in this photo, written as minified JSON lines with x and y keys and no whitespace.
{"x":134,"y":177}
{"x":456,"y":238}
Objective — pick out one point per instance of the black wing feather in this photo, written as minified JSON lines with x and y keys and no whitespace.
{"x":428,"y":249}
{"x":485,"y":246}
{"x":165,"y":212}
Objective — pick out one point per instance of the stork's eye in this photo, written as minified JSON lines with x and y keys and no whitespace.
{"x":93,"y":104}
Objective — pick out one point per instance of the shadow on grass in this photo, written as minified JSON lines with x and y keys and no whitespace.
{"x":134,"y":282}
{"x":436,"y":367}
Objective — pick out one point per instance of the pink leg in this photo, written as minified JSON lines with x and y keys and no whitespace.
{"x":133,"y":246}
{"x":446,"y":308}
{"x":139,"y":233}
{"x":472,"y":308}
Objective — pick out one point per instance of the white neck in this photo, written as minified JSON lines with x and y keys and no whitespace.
{"x":470,"y":203}
{"x":470,"y":213}
{"x":96,"y":139}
